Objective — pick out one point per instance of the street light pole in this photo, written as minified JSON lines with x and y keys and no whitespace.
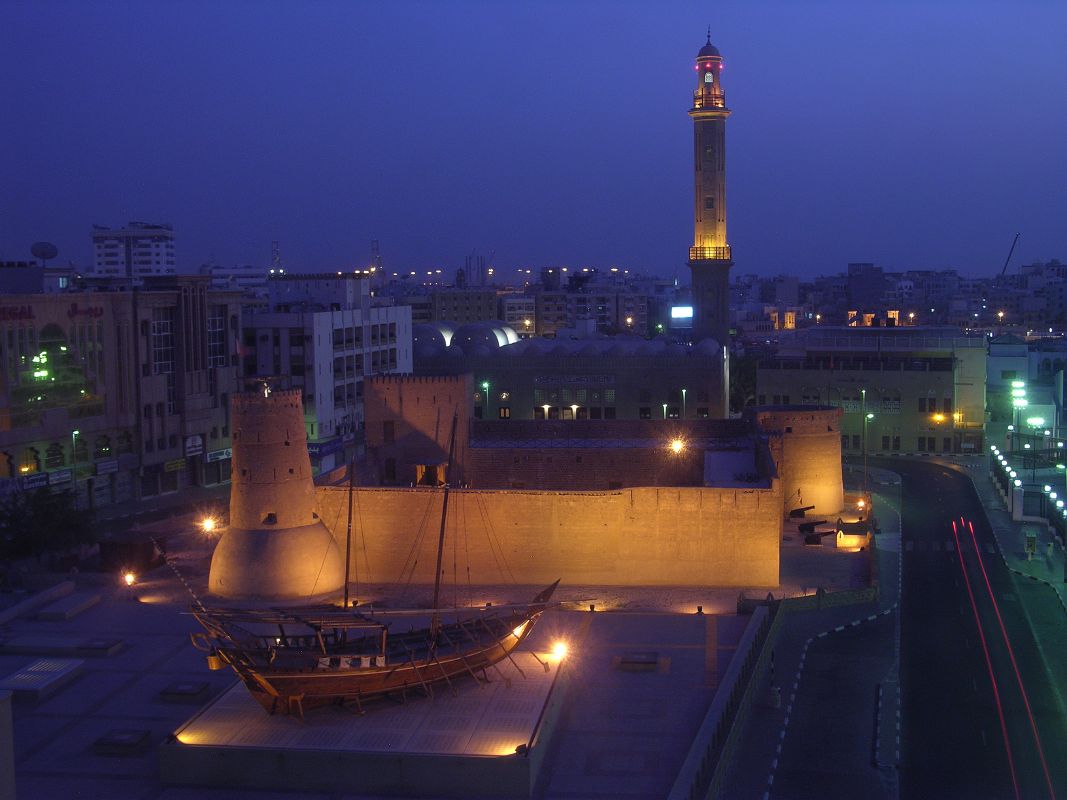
{"x":74,"y":463}
{"x":863,"y":411}
{"x":683,"y":403}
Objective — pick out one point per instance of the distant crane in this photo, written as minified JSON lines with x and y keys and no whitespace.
{"x":1014,"y":242}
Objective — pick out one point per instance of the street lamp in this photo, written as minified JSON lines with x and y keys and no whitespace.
{"x":866,"y":418}
{"x":574,"y":411}
{"x":665,"y":411}
{"x":683,"y":403}
{"x":74,"y":463}
{"x":485,"y":385}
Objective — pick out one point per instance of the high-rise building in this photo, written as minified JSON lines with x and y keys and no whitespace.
{"x":139,"y":250}
{"x":709,"y":257}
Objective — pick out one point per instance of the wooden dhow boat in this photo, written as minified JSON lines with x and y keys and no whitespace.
{"x":293,"y":659}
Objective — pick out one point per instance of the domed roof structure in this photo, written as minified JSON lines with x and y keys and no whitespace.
{"x":709,"y":49}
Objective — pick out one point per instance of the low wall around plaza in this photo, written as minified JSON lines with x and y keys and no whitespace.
{"x":678,"y":536}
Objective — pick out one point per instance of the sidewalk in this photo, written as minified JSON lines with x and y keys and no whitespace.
{"x":1046,"y":566}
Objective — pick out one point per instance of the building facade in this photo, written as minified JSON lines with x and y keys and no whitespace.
{"x":139,"y":250}
{"x":904,"y":390}
{"x":117,"y":395}
{"x":324,"y":337}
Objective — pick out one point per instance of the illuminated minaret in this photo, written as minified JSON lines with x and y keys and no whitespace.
{"x":709,"y":257}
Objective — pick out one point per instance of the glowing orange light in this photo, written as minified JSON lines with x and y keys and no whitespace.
{"x":130,"y":578}
{"x":207,"y":524}
{"x":676,"y":446}
{"x":559,"y":651}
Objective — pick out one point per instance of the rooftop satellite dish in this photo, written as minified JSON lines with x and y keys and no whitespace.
{"x":45,"y":251}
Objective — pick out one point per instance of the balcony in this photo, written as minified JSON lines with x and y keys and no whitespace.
{"x":709,"y":253}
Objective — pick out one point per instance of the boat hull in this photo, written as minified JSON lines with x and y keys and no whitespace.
{"x":295,"y":692}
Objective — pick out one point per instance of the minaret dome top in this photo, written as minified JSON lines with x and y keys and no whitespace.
{"x":709,"y":50}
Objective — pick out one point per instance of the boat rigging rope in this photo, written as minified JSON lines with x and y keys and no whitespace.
{"x":174,"y":569}
{"x":413,"y":552}
{"x":501,"y":560}
{"x":467,"y":548}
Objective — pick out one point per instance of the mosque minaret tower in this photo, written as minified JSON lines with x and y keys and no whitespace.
{"x":709,"y":257}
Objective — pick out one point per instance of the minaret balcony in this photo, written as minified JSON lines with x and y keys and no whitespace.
{"x":709,"y":253}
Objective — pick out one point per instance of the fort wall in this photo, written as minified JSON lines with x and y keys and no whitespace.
{"x":677,"y":536}
{"x":806,"y":445}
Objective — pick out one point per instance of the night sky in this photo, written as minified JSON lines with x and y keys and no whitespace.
{"x":911,"y":134}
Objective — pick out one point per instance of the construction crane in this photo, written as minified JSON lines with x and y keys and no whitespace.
{"x":1014,"y":242}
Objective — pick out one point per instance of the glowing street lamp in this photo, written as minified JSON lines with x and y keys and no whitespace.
{"x":485,"y":386}
{"x":683,"y":403}
{"x":665,"y":411}
{"x":676,"y":445}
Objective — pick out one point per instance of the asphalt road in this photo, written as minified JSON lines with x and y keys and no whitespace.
{"x":980,"y":717}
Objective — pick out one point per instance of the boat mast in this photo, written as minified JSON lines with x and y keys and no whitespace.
{"x":348,"y":533}
{"x":435,"y":624}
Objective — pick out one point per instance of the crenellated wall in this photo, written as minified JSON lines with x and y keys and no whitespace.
{"x":271,"y":469}
{"x":678,"y":536}
{"x":805,"y":442}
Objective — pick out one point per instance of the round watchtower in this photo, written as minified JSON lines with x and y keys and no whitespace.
{"x":276,"y":545}
{"x":806,"y":444}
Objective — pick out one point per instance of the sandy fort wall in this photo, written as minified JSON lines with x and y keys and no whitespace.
{"x":805,"y":443}
{"x":678,"y":536}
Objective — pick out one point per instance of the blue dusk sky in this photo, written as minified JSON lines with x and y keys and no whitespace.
{"x":910,"y":134}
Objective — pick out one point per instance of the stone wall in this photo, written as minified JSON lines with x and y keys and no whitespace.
{"x":408,"y":421}
{"x":676,"y":536}
{"x":806,"y":445}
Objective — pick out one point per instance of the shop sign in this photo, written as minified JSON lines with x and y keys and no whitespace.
{"x":175,"y":465}
{"x":320,"y":449}
{"x":9,"y":313}
{"x":219,"y":455}
{"x":59,"y":476}
{"x":93,"y":312}
{"x":35,"y":481}
{"x":107,"y":466}
{"x":194,"y":445}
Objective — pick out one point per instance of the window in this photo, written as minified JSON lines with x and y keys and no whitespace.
{"x":539,"y":412}
{"x":162,"y":341}
{"x":644,"y":412}
{"x":855,"y":441}
{"x":709,"y":203}
{"x":29,"y":461}
{"x":1007,"y":374}
{"x":947,"y":405}
{"x":896,"y":443}
{"x":216,"y":337}
{"x":504,"y":412}
{"x":946,"y":444}
{"x":54,"y":456}
{"x":844,"y":441}
{"x":609,"y":412}
{"x":102,"y":447}
{"x":596,"y":412}
{"x":922,"y":444}
{"x":885,"y":442}
{"x":702,"y":413}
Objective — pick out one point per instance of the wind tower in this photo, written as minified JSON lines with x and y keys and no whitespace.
{"x":709,"y":257}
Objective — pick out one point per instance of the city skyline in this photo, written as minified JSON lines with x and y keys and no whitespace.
{"x":549,"y":139}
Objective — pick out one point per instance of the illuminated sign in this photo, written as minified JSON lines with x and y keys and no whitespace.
{"x":220,"y":455}
{"x":681,"y":312}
